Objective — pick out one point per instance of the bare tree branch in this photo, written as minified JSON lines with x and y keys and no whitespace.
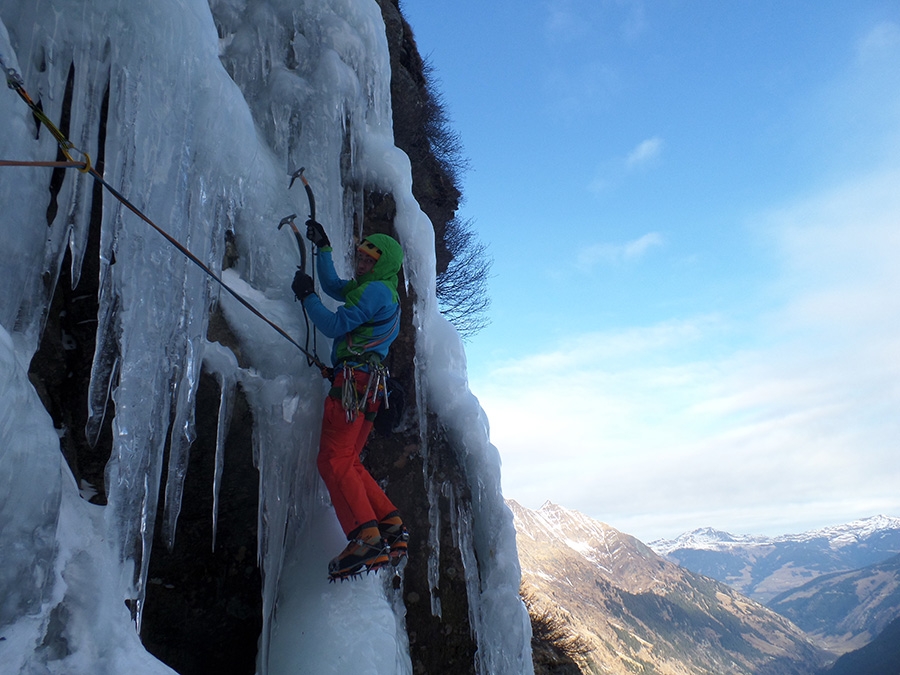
{"x":462,"y":290}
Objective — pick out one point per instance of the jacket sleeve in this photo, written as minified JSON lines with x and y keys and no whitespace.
{"x":336,"y":324}
{"x":330,"y":282}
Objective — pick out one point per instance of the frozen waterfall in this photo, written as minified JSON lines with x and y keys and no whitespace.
{"x":211,"y":105}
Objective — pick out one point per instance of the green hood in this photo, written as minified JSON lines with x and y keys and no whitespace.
{"x":385,"y":270}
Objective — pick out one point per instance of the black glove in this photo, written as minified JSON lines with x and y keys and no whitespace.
{"x":316,"y":234}
{"x":302,"y":285}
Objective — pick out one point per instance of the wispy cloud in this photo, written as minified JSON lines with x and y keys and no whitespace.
{"x":646,"y":153}
{"x":580,"y":68}
{"x":562,"y":21}
{"x":607,"y":253}
{"x":585,"y":19}
{"x":881,"y":41}
{"x":799,"y":424}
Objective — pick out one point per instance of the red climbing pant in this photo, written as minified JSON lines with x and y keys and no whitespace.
{"x":357,"y":498}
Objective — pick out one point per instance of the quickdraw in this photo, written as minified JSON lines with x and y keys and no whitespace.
{"x":15,"y":82}
{"x":355,"y":402}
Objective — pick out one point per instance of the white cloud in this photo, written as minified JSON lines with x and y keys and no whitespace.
{"x":841,"y":251}
{"x":562,"y":21}
{"x":607,"y":253}
{"x":637,"y":248}
{"x":569,"y":20}
{"x":647,"y":152}
{"x":669,"y":426}
{"x":881,"y":41}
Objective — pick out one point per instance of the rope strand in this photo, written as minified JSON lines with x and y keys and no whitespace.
{"x":194,"y":259}
{"x":85,"y":167}
{"x":15,"y":82}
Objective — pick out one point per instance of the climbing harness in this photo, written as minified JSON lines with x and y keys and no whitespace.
{"x":359,"y":350}
{"x":15,"y":82}
{"x":379,"y":382}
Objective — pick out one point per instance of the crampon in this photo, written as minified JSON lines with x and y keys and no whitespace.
{"x":359,"y":557}
{"x":397,"y":537}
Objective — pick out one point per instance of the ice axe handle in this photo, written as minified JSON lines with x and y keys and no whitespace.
{"x":289,"y":220}
{"x":309,"y":193}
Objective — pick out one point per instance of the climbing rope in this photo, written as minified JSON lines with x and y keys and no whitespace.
{"x":64,"y":165}
{"x":15,"y":82}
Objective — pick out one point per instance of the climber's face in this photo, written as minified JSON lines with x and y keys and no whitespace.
{"x":367,"y":254}
{"x":364,"y":263}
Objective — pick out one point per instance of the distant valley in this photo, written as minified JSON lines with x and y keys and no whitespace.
{"x":696,"y":604}
{"x":840,"y":584}
{"x":764,"y":567}
{"x":641,"y":613}
{"x":845,"y":610}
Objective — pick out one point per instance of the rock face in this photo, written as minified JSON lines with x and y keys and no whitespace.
{"x":641,"y":613}
{"x":416,"y":122}
{"x":203,"y":608}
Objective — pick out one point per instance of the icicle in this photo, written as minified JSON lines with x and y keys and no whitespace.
{"x":461,"y":524}
{"x":90,"y":85}
{"x":182,"y":437}
{"x":434,"y":543}
{"x":271,"y":434}
{"x":222,"y":364}
{"x":105,"y":367}
{"x":133,"y":476}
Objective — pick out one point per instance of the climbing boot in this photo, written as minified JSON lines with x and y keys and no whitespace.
{"x":396,"y":535}
{"x":368,"y":552}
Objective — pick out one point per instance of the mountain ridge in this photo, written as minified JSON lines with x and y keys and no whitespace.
{"x":642,"y":613}
{"x":763,"y":567}
{"x":837,"y":535}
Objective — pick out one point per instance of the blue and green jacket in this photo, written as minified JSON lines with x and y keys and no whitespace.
{"x":369,"y":320}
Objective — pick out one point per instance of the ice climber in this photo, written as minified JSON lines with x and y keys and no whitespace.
{"x":362,"y":330}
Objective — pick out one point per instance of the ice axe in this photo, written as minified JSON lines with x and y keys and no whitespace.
{"x":289,"y":220}
{"x":309,"y":193}
{"x":311,"y":357}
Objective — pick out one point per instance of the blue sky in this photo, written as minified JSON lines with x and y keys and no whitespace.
{"x":694,"y":214}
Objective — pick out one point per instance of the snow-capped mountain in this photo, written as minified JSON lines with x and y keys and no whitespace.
{"x":763,"y":567}
{"x":641,"y":613}
{"x":613,"y":554}
{"x":864,"y":531}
